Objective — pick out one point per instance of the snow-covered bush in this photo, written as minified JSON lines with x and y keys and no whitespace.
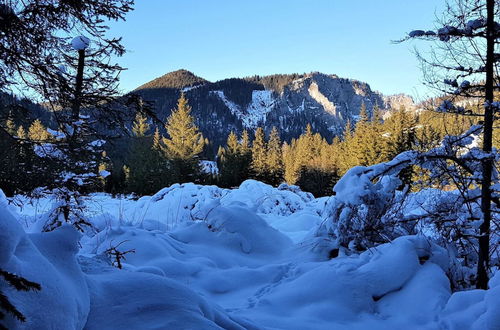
{"x":367,"y":208}
{"x":48,"y":259}
{"x":284,"y":200}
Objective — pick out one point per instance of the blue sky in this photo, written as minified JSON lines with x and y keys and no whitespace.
{"x":219,"y":39}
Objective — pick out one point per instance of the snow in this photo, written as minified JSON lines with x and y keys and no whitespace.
{"x":104,"y":173}
{"x":209,"y":167}
{"x":255,"y":113}
{"x":209,"y":258}
{"x":48,"y":150}
{"x":189,"y":88}
{"x":80,"y":43}
{"x":50,"y":260}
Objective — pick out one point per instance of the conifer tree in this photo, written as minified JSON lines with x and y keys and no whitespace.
{"x":231,"y":162}
{"x":37,"y":132}
{"x":305,"y":145}
{"x":156,"y":140}
{"x":140,"y":126}
{"x":363,"y":113}
{"x":21,"y":133}
{"x":10,"y":127}
{"x":139,"y":158}
{"x":274,"y":158}
{"x":377,"y":114}
{"x":246,"y":155}
{"x":290,"y":175}
{"x":245,"y":143}
{"x":345,"y":150}
{"x":259,"y":155}
{"x":233,"y":146}
{"x":184,"y":143}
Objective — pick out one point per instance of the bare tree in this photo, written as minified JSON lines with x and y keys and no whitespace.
{"x":463,"y":64}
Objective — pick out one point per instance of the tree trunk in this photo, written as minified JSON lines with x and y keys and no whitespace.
{"x":484,"y":239}
{"x":75,"y":108}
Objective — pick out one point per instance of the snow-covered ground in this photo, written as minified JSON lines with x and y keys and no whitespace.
{"x":211,"y":258}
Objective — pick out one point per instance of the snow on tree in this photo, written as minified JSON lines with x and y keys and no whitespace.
{"x":465,"y":65}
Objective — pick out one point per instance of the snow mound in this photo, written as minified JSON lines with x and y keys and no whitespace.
{"x":387,"y":282}
{"x":208,"y":258}
{"x":474,"y":309}
{"x":145,"y":301}
{"x":246,"y":230}
{"x":49,"y":260}
{"x":174,"y":205}
{"x":265,"y":199}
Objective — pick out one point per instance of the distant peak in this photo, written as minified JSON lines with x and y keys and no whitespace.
{"x":176,"y":79}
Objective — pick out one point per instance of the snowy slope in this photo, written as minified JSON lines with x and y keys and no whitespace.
{"x":255,"y":113}
{"x":212,"y":258}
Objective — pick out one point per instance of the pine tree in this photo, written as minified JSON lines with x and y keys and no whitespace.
{"x":156,"y":140}
{"x":259,"y":155}
{"x":230,"y":161}
{"x":290,"y":162}
{"x":245,"y":143}
{"x":147,"y":169}
{"x":184,"y":143}
{"x":37,"y":132}
{"x":138,"y":160}
{"x":245,"y":156}
{"x":103,"y":171}
{"x":363,"y":113}
{"x":21,"y":133}
{"x":274,"y":158}
{"x":233,"y":146}
{"x":10,"y":127}
{"x":140,"y":126}
{"x":377,"y":114}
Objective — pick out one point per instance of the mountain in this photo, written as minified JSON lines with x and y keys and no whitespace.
{"x":176,"y":80}
{"x":287,"y":101}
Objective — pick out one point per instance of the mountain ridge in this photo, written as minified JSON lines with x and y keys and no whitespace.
{"x":287,"y":101}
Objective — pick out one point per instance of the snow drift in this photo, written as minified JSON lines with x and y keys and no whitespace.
{"x":211,"y":258}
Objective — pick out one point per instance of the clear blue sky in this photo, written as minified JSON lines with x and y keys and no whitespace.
{"x":219,"y":39}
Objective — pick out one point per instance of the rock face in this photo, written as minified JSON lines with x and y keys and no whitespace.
{"x":324,"y":101}
{"x":289,"y":102}
{"x":399,"y":100}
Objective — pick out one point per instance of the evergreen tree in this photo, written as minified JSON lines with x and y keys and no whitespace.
{"x":140,"y":126}
{"x":138,"y":160}
{"x":37,"y":132}
{"x":10,"y":127}
{"x":147,"y":171}
{"x":363,"y":113}
{"x":259,"y":155}
{"x":288,"y":152}
{"x":230,"y":162}
{"x":274,"y":158}
{"x":245,"y":143}
{"x":245,"y":151}
{"x":21,"y":133}
{"x":377,"y":114}
{"x":156,"y":140}
{"x":184,"y":143}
